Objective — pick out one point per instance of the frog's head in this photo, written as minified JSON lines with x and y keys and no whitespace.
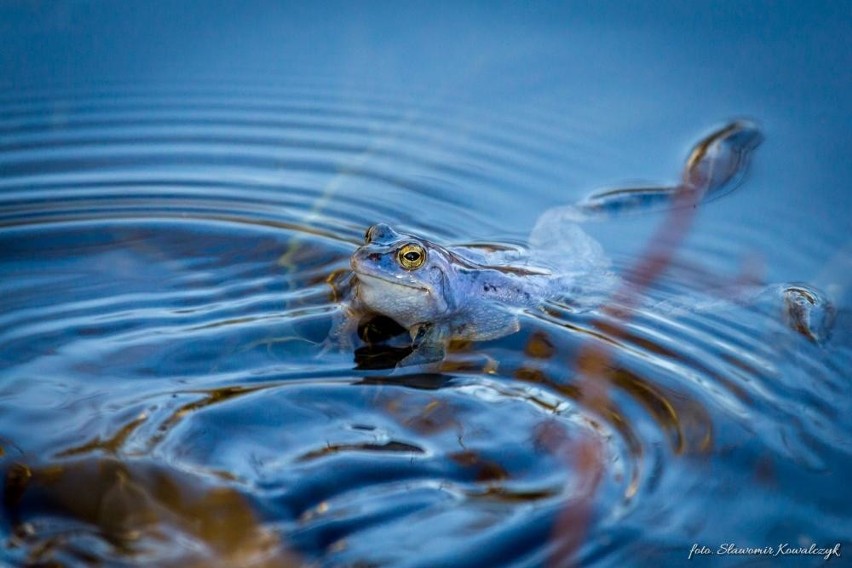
{"x":402,"y":276}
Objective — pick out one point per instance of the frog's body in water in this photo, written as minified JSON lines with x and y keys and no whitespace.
{"x":415,"y":281}
{"x":439,"y":294}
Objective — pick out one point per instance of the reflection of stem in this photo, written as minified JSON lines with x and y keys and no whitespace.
{"x":574,"y":520}
{"x":594,"y":361}
{"x":110,"y":446}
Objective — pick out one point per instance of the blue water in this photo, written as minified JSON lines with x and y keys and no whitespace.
{"x":180,"y":182}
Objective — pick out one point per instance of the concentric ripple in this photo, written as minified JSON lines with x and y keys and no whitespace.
{"x":165,"y":258}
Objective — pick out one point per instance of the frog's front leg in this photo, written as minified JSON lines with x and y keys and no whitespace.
{"x":429,"y":341}
{"x":343,"y":327}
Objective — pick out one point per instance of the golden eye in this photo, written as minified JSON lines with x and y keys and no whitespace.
{"x":368,"y":236}
{"x":411,"y":257}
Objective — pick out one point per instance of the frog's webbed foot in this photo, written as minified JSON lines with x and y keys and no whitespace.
{"x":716,"y":165}
{"x":802,"y":308}
{"x":718,"y":162}
{"x":430,"y":347}
{"x":808,"y":312}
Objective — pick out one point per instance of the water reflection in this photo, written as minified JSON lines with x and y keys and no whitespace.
{"x":170,"y":264}
{"x":93,"y":510}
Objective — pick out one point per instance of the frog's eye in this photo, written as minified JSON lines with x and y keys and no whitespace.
{"x":368,"y":236}
{"x":411,"y":257}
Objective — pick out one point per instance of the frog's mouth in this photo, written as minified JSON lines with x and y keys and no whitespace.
{"x":384,"y":281}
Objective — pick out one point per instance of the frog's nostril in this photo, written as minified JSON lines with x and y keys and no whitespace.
{"x":374,"y":256}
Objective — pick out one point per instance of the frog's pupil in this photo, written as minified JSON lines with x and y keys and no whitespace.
{"x":412,"y":256}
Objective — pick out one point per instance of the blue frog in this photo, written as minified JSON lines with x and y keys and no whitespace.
{"x":440,"y":294}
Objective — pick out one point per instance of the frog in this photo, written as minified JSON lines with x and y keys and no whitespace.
{"x":443,"y":293}
{"x":467,"y":293}
{"x":439,"y":293}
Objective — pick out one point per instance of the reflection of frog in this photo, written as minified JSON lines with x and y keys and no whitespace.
{"x":439,"y":294}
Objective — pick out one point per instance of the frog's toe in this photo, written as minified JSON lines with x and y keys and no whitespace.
{"x":808,"y":312}
{"x":427,"y":356}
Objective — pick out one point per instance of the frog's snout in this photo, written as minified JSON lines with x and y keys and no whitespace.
{"x":360,"y":257}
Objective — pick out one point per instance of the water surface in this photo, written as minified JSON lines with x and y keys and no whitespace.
{"x":178,"y":185}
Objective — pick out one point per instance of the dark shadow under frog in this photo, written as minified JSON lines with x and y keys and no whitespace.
{"x":439,"y":294}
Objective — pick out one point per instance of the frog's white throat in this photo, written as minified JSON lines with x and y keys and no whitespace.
{"x":405,"y":302}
